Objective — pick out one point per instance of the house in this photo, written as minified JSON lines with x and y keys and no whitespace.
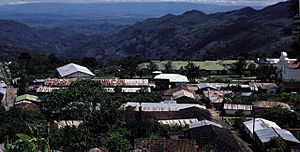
{"x":207,"y":86}
{"x":27,"y":105}
{"x":186,"y":96}
{"x":259,"y":106}
{"x":210,"y":136}
{"x":259,"y":123}
{"x":215,"y":98}
{"x":265,"y":130}
{"x":54,"y":82}
{"x":203,"y":123}
{"x":178,"y":122}
{"x":27,"y":101}
{"x":270,"y":88}
{"x":72,"y":70}
{"x":27,"y":98}
{"x":235,"y":109}
{"x":164,"y":145}
{"x":188,"y":113}
{"x":166,"y":81}
{"x":162,"y":106}
{"x":126,"y":85}
{"x":288,"y":69}
{"x":168,"y":94}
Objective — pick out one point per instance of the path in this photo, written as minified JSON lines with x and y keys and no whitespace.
{"x":216,"y":118}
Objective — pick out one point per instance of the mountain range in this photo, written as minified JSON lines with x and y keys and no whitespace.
{"x":191,"y":35}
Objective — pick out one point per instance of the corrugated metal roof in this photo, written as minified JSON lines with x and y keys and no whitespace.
{"x":45,"y":89}
{"x":161,"y":106}
{"x":124,"y":82}
{"x":265,"y":135}
{"x":256,"y":86}
{"x":172,"y":77}
{"x":3,"y":90}
{"x":183,"y":93}
{"x":216,"y":96}
{"x":59,"y":82}
{"x":269,"y":104}
{"x":203,"y":123}
{"x":180,"y":122}
{"x":28,"y":97}
{"x":237,"y":107}
{"x":207,"y":85}
{"x":126,"y":90}
{"x":73,"y":68}
{"x":260,"y":124}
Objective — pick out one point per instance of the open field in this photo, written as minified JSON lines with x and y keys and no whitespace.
{"x":205,"y":65}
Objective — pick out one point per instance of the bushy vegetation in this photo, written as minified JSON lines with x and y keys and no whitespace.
{"x":103,"y":124}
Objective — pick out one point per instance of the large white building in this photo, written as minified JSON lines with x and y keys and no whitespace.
{"x":72,"y":70}
{"x":288,"y":69}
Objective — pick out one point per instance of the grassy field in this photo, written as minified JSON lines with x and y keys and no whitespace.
{"x":205,"y":65}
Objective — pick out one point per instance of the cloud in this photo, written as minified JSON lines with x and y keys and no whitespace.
{"x":219,"y":2}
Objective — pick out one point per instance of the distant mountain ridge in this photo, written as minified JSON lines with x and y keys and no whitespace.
{"x":192,"y":35}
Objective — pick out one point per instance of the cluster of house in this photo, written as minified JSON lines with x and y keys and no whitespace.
{"x":183,"y":104}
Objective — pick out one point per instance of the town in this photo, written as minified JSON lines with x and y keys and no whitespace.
{"x":135,"y":105}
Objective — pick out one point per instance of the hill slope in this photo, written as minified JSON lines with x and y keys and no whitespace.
{"x":196,"y":35}
{"x":192,"y":35}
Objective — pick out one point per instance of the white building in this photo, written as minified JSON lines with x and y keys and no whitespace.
{"x":288,"y":69}
{"x":72,"y":70}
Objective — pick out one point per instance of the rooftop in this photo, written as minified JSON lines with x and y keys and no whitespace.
{"x":27,"y":97}
{"x":124,"y":82}
{"x":260,"y":123}
{"x":160,"y":106}
{"x":203,"y":123}
{"x":269,"y":104}
{"x":73,"y":68}
{"x":265,"y":135}
{"x":237,"y":107}
{"x":183,"y":93}
{"x":172,"y":77}
{"x":256,"y":86}
{"x":179,"y":122}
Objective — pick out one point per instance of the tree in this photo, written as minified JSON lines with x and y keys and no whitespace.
{"x":116,"y":142}
{"x":266,"y":73}
{"x":283,"y":117}
{"x":89,"y":62}
{"x":31,"y":143}
{"x":84,"y":100}
{"x":192,"y":71}
{"x":169,"y":67}
{"x":294,"y":7}
{"x":277,"y":144}
{"x":152,"y":67}
{"x":79,"y":102}
{"x":252,"y":68}
{"x":239,"y":66}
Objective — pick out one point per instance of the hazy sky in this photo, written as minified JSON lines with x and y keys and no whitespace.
{"x":219,"y":2}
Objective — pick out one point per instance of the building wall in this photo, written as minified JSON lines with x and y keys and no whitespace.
{"x":233,"y":112}
{"x":79,"y":75}
{"x":286,"y":73}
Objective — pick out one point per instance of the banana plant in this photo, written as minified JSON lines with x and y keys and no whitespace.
{"x":27,"y":143}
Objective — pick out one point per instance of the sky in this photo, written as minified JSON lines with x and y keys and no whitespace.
{"x":217,"y":2}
